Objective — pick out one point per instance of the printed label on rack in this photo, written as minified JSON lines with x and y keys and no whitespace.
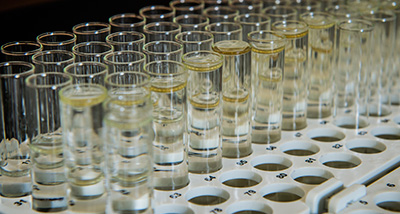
{"x":250,"y":192}
{"x":216,"y":210}
{"x":175,"y":195}
{"x":241,"y":162}
{"x":271,"y":148}
{"x":210,"y":178}
{"x":310,"y":160}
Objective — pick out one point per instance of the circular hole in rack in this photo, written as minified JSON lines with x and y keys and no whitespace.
{"x":207,"y":196}
{"x":313,"y":176}
{"x":240,"y":178}
{"x":172,"y":208}
{"x":249,"y":207}
{"x":365,"y":146}
{"x":386,"y":132}
{"x":326,"y":135}
{"x":388,"y":201}
{"x":271,"y":163}
{"x":299,"y":148}
{"x":350,"y":122}
{"x":340,"y":160}
{"x":374,"y":112}
{"x":282,"y":192}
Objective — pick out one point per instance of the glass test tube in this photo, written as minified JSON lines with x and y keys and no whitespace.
{"x":268,"y":60}
{"x":342,"y":12}
{"x":269,"y":3}
{"x":91,"y":51}
{"x":220,"y":14}
{"x":195,"y":40}
{"x":157,"y":13}
{"x":321,"y":63}
{"x":304,"y":6}
{"x":383,"y":36}
{"x":192,"y":22}
{"x":91,"y":31}
{"x":20,"y":51}
{"x":247,"y":6}
{"x":236,"y":99}
{"x":295,"y":79}
{"x":126,"y":41}
{"x":213,"y":3}
{"x":187,"y":6}
{"x":81,"y":122}
{"x":128,"y":133}
{"x":163,"y":50}
{"x":280,"y":13}
{"x":352,"y":76}
{"x":158,"y":31}
{"x":126,"y":22}
{"x":225,"y":31}
{"x":204,"y":94}
{"x":120,"y":61}
{"x":16,"y":100}
{"x":52,"y":61}
{"x":57,"y":40}
{"x":49,"y":183}
{"x":87,"y":72}
{"x":253,"y":22}
{"x":168,"y":92}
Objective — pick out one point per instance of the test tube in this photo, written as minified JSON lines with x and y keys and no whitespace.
{"x":247,"y":6}
{"x":52,"y":61}
{"x":163,"y":50}
{"x":280,"y":13}
{"x":57,"y":40}
{"x":305,"y":6}
{"x":126,"y":41}
{"x":213,"y":3}
{"x":236,"y":98}
{"x":91,"y":51}
{"x":342,"y":12}
{"x":268,"y":60}
{"x":225,"y":31}
{"x":81,"y":122}
{"x":295,"y":79}
{"x":220,"y":14}
{"x":195,"y":40}
{"x":383,"y":35}
{"x":16,"y":101}
{"x":352,"y":76}
{"x":192,"y":22}
{"x":125,"y":61}
{"x":168,"y":91}
{"x":157,"y":13}
{"x":253,"y":22}
{"x":158,"y":31}
{"x":49,"y":183}
{"x":126,"y":22}
{"x":91,"y":31}
{"x":20,"y":51}
{"x":269,"y":3}
{"x":187,"y":6}
{"x":204,"y":93}
{"x":321,"y":63}
{"x":128,"y":136}
{"x":87,"y":72}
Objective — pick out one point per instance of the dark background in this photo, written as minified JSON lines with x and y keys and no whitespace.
{"x":23,"y":20}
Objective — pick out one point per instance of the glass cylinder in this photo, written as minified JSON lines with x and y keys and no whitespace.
{"x":246,"y":6}
{"x":57,"y":40}
{"x":126,"y":41}
{"x":126,"y":22}
{"x":321,"y":63}
{"x":253,"y":22}
{"x":213,"y":3}
{"x":50,"y":187}
{"x":87,"y":72}
{"x":236,"y":100}
{"x":128,"y":133}
{"x":295,"y":79}
{"x":268,"y":60}
{"x":383,"y":35}
{"x":91,"y":51}
{"x":269,"y":3}
{"x":305,"y":6}
{"x":225,"y":31}
{"x":195,"y":40}
{"x":163,"y":50}
{"x":342,"y":12}
{"x":157,"y":13}
{"x":204,"y":94}
{"x":16,"y":100}
{"x":52,"y":61}
{"x":81,"y":122}
{"x":280,"y":13}
{"x":192,"y":22}
{"x":168,"y":92}
{"x":220,"y":14}
{"x":20,"y":51}
{"x":91,"y":31}
{"x":161,"y":31}
{"x":187,"y":6}
{"x":121,"y":61}
{"x":352,"y":73}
